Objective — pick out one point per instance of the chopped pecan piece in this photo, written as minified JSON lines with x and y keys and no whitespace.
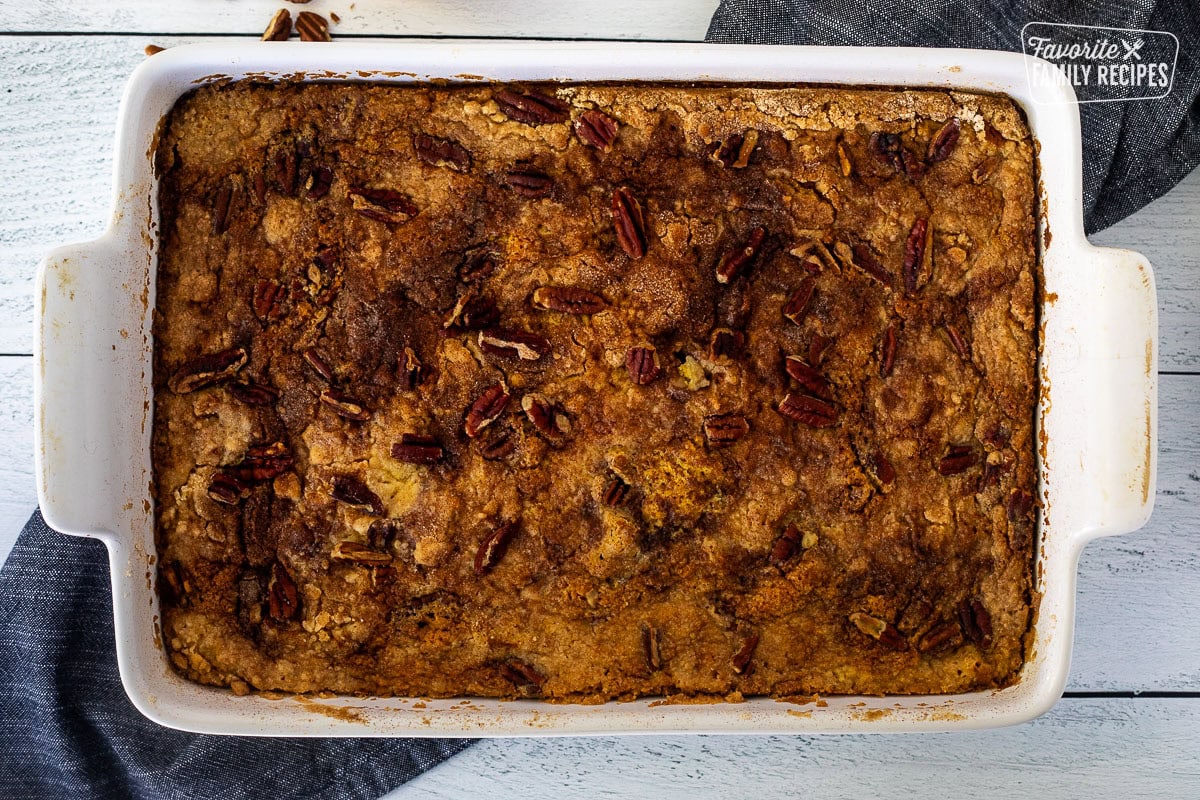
{"x":883,"y":632}
{"x":642,"y":364}
{"x":812,"y":411}
{"x":629,"y":223}
{"x":726,"y":343}
{"x":741,"y":659}
{"x":320,"y":180}
{"x":220,"y":213}
{"x":492,"y":549}
{"x":208,"y":370}
{"x":279,"y":28}
{"x":1019,"y":505}
{"x":817,"y":347}
{"x":225,"y":488}
{"x":312,"y":27}
{"x":498,"y":443}
{"x":958,"y":458}
{"x":976,"y":622}
{"x":886,"y":147}
{"x":344,"y":405}
{"x":382,"y":205}
{"x":416,"y":448}
{"x":864,"y":258}
{"x":916,"y":249}
{"x":532,"y":108}
{"x":513,"y":344}
{"x":268,"y":299}
{"x":283,"y":598}
{"x":808,"y":377}
{"x":441,"y":152}
{"x":787,"y":545}
{"x":944,"y":141}
{"x":844,"y":161}
{"x":957,"y":341}
{"x":318,"y":364}
{"x":568,"y":300}
{"x":477,"y":266}
{"x":597,"y":129}
{"x":286,"y":167}
{"x":736,"y":261}
{"x":382,"y":534}
{"x":725,"y":429}
{"x":548,"y":419}
{"x":887,"y":350}
{"x":529,"y":182}
{"x":616,"y":493}
{"x":261,"y":463}
{"x":358,"y":553}
{"x":472,"y":312}
{"x":735,"y":151}
{"x":523,"y":676}
{"x":486,"y":409}
{"x":253,"y":394}
{"x":797,"y":305}
{"x":941,"y":638}
{"x":353,"y":492}
{"x":984,"y":169}
{"x":410,"y":370}
{"x":651,"y":647}
{"x":879,"y":469}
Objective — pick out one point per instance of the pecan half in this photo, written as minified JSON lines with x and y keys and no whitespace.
{"x":883,"y":632}
{"x":916,"y":247}
{"x":957,"y":341}
{"x":441,"y":152}
{"x":984,"y":169}
{"x":522,"y":675}
{"x":472,"y":312}
{"x":817,"y":347}
{"x":864,"y":259}
{"x":941,"y":638}
{"x":208,"y":370}
{"x":548,"y":419}
{"x":878,"y":468}
{"x":976,"y":622}
{"x":812,"y":411}
{"x":726,"y":343}
{"x":616,"y":493}
{"x":318,"y":364}
{"x":944,"y":141}
{"x":416,"y":448}
{"x":738,"y":259}
{"x":358,"y":553}
{"x":642,"y":364}
{"x":382,"y":205}
{"x":597,"y":129}
{"x":887,"y":350}
{"x":629,"y":223}
{"x":886,"y":147}
{"x":410,"y":370}
{"x":493,"y":547}
{"x":808,"y":377}
{"x":312,"y":27}
{"x":529,"y":182}
{"x":320,"y":180}
{"x":225,"y":488}
{"x":486,"y":409}
{"x":253,"y":394}
{"x":344,"y":405}
{"x":725,"y":429}
{"x":221,"y":201}
{"x":261,"y":463}
{"x":532,"y":108}
{"x":735,"y":151}
{"x":355,"y":493}
{"x":568,"y":300}
{"x":958,"y":458}
{"x":477,"y":266}
{"x":741,"y":659}
{"x":651,"y":647}
{"x":279,"y":28}
{"x":797,"y":305}
{"x":283,"y":598}
{"x":267,"y":300}
{"x":513,"y":344}
{"x":498,"y":443}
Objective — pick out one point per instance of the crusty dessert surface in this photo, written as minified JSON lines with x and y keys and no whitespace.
{"x":593,"y":392}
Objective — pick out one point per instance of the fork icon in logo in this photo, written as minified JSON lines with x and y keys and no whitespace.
{"x":1131,"y":49}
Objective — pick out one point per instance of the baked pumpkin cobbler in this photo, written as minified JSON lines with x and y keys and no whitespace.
{"x":595,"y":391}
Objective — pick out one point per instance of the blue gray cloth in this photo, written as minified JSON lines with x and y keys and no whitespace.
{"x":1133,"y":151}
{"x":67,"y":730}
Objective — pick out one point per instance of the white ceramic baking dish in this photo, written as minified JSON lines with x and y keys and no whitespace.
{"x":1097,"y":415}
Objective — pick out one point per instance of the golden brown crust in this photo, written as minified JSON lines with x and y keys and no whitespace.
{"x":622,"y":487}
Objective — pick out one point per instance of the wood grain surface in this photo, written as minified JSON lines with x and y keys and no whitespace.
{"x":1138,"y":634}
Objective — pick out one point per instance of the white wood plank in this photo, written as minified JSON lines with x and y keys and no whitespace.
{"x":1081,"y":749}
{"x":18,"y":495}
{"x":56,"y":138}
{"x":544,"y":19}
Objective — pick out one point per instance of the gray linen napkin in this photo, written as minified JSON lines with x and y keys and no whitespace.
{"x":68,"y":730}
{"x":1133,"y":151}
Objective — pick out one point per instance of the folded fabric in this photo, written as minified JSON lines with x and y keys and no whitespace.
{"x":1133,"y":151}
{"x":68,"y":730}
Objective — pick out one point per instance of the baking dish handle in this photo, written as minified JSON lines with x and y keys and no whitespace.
{"x":85,"y":294}
{"x":1124,"y":341}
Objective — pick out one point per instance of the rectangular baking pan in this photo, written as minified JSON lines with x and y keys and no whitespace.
{"x":1096,"y":420}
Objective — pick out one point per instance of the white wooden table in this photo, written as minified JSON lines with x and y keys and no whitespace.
{"x":1130,"y":723}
